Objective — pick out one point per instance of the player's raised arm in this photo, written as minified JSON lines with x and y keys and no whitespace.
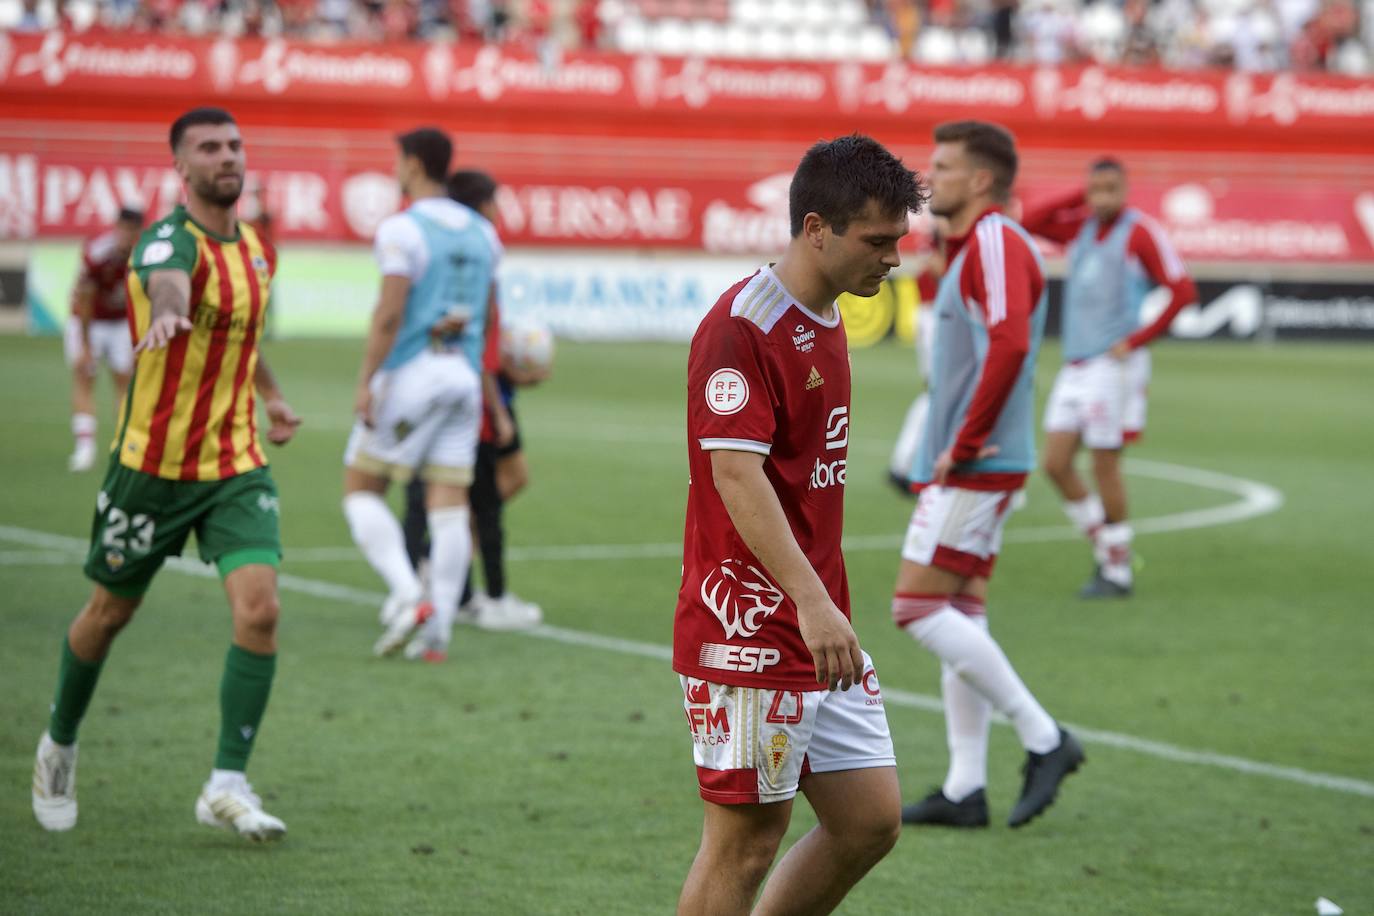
{"x":1060,"y":218}
{"x":757,"y":515}
{"x":169,"y":295}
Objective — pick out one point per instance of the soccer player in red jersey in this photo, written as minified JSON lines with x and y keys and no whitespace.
{"x":778,"y":694}
{"x":974,"y":455}
{"x":1116,"y":255}
{"x":98,"y":329}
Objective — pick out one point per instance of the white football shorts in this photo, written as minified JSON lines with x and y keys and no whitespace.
{"x":110,"y":344}
{"x":1103,"y":399}
{"x":427,"y":416}
{"x":957,"y":530}
{"x":753,"y":745}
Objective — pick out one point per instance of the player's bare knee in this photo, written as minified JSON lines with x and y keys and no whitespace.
{"x":258,"y":612}
{"x":109,"y":612}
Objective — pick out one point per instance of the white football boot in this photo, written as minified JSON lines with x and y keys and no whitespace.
{"x":467,"y":614}
{"x":54,"y":784}
{"x":402,"y":626}
{"x":82,"y":457}
{"x":233,"y":806}
{"x":508,"y":613}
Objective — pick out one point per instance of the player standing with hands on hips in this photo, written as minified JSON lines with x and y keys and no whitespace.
{"x":778,"y":693}
{"x":975,"y":453}
{"x":187,"y":458}
{"x":1116,"y":255}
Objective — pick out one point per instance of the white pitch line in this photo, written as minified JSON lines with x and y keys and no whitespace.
{"x":1160,"y":749}
{"x":1255,"y":499}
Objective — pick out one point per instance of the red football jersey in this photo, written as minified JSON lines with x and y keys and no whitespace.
{"x":765,"y":375}
{"x":104,"y":269}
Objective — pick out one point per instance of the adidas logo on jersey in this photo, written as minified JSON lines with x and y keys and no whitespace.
{"x":814,"y":380}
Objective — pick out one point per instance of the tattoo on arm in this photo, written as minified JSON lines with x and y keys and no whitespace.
{"x":169,"y":291}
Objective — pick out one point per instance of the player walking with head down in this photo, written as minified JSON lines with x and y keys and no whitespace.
{"x":187,"y":458}
{"x":974,"y":455}
{"x":1116,"y":254}
{"x":778,"y":693}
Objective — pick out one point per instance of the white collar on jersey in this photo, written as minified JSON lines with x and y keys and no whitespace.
{"x":833,"y":322}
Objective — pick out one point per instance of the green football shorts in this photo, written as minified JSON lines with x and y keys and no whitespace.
{"x":141,"y":520}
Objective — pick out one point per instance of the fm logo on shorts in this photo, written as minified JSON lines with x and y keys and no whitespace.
{"x":710,"y":726}
{"x":741,"y":597}
{"x":737,"y":658}
{"x":727,"y":392}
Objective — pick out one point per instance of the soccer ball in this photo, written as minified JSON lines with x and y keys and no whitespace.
{"x":527,"y":344}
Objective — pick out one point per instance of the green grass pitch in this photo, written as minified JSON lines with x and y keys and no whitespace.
{"x":533,"y":775}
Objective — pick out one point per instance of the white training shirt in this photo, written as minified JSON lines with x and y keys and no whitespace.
{"x":399,"y":245}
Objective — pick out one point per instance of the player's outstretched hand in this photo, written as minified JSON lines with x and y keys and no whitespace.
{"x":284,"y":421}
{"x":162,"y":331}
{"x":833,"y":645}
{"x":945,"y":462}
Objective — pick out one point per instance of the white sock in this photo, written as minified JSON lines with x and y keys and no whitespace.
{"x":1086,"y":514}
{"x":968,"y":715}
{"x":227,"y":780}
{"x":450,"y":552}
{"x":975,"y":657}
{"x":83,"y":427}
{"x":379,"y":536}
{"x":1114,"y":545}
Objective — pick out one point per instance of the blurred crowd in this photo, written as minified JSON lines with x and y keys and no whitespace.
{"x":1259,"y":35}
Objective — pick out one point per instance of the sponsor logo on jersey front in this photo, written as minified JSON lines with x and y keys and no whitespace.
{"x":727,"y":392}
{"x":826,"y":474}
{"x":726,"y":657}
{"x":741,"y":596}
{"x":804,"y":340}
{"x":814,"y":380}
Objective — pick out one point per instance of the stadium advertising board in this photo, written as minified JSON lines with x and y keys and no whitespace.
{"x":60,"y":196}
{"x":328,"y":291}
{"x":56,"y":63}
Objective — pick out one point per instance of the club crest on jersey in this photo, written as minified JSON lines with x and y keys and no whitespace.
{"x":741,"y":597}
{"x":114,"y":559}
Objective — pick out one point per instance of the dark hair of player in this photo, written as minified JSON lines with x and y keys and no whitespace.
{"x":837,"y":178}
{"x":432,"y":147}
{"x":195,"y":117}
{"x":1107,"y":164}
{"x":471,"y":188}
{"x":989,"y":145}
{"x":130,"y":215}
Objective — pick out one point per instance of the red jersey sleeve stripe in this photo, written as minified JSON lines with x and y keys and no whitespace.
{"x":209,"y":373}
{"x":1173,"y":264}
{"x":992,"y":258}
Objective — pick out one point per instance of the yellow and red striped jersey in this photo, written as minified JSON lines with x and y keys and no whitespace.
{"x":190,"y":413}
